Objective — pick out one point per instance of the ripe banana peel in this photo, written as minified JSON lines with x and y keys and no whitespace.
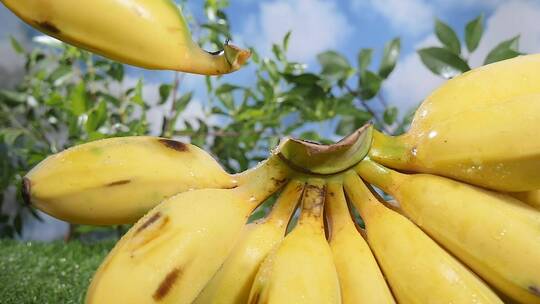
{"x":146,"y":33}
{"x":496,"y":235}
{"x":170,"y":254}
{"x":117,"y":180}
{"x":478,"y":128}
{"x":530,"y":197}
{"x":418,"y":270}
{"x":300,"y":269}
{"x":360,"y":277}
{"x":232,"y":282}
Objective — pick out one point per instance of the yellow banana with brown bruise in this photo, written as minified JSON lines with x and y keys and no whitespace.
{"x":232,"y":283}
{"x":417,"y":269}
{"x":117,"y":180}
{"x":478,"y":127}
{"x":300,"y":269}
{"x":496,"y":235}
{"x":171,"y":253}
{"x":146,"y":33}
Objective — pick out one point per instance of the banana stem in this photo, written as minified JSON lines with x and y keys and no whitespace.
{"x":374,"y":173}
{"x":313,"y":203}
{"x":361,"y":197}
{"x":393,"y":151}
{"x":262,"y":181}
{"x":286,"y":203}
{"x":339,"y":214}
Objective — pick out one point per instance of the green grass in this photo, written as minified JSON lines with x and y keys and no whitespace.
{"x":55,"y":273}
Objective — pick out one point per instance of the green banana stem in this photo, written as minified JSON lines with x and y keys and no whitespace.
{"x":392,"y":151}
{"x":374,"y":173}
{"x":284,"y":207}
{"x":361,"y":197}
{"x":264,"y":180}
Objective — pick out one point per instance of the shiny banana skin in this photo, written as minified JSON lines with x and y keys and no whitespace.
{"x":300,"y":269}
{"x":117,"y":180}
{"x":496,"y":235}
{"x":360,"y":277}
{"x":232,"y":283}
{"x":530,"y":197}
{"x":146,"y":33}
{"x":172,"y":252}
{"x":462,"y":130}
{"x":417,"y":269}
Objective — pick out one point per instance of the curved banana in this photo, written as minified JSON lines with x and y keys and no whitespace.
{"x":117,"y":180}
{"x":360,"y":277}
{"x":232,"y":283}
{"x":417,"y":269}
{"x":530,"y":197}
{"x":171,"y":253}
{"x":146,"y":33}
{"x":496,"y":235}
{"x":462,"y":130}
{"x":300,"y":269}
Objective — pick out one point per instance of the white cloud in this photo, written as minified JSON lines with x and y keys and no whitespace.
{"x":512,"y":18}
{"x":408,"y":16}
{"x":316,"y":26}
{"x":411,"y":82}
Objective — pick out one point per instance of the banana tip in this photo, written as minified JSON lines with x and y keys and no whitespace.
{"x":26,"y":190}
{"x":236,"y":56}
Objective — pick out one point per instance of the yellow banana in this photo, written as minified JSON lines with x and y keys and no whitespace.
{"x":360,"y":277}
{"x":476,"y":128}
{"x":496,"y":235}
{"x":147,"y":33}
{"x":172,"y":252}
{"x":300,"y":269}
{"x":530,"y":197}
{"x":117,"y":180}
{"x":232,"y":283}
{"x":417,"y":269}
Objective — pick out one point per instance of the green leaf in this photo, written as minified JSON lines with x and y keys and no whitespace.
{"x":447,"y":37}
{"x":302,"y":79}
{"x":390,"y":115}
{"x":183,"y":101}
{"x":364,"y":59}
{"x":97,"y":117}
{"x":10,"y":135}
{"x":370,"y":84}
{"x":164,"y":93}
{"x":504,"y":50}
{"x":390,"y":57}
{"x":286,"y":40}
{"x":334,"y":65}
{"x":17,"y":47}
{"x":138,"y":95}
{"x":116,"y":71}
{"x":226,"y":88}
{"x":78,"y":99}
{"x":473,"y":33}
{"x":278,"y":52}
{"x":442,"y":62}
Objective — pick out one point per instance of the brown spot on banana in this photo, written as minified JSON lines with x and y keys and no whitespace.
{"x":149,"y":222}
{"x":26,"y":190}
{"x":535,"y":290}
{"x":166,"y":285}
{"x":49,"y":27}
{"x":173,"y":144}
{"x":118,"y":183}
{"x":255,"y":298}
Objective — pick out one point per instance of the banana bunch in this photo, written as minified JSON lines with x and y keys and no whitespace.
{"x":151,"y":34}
{"x":464,"y":226}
